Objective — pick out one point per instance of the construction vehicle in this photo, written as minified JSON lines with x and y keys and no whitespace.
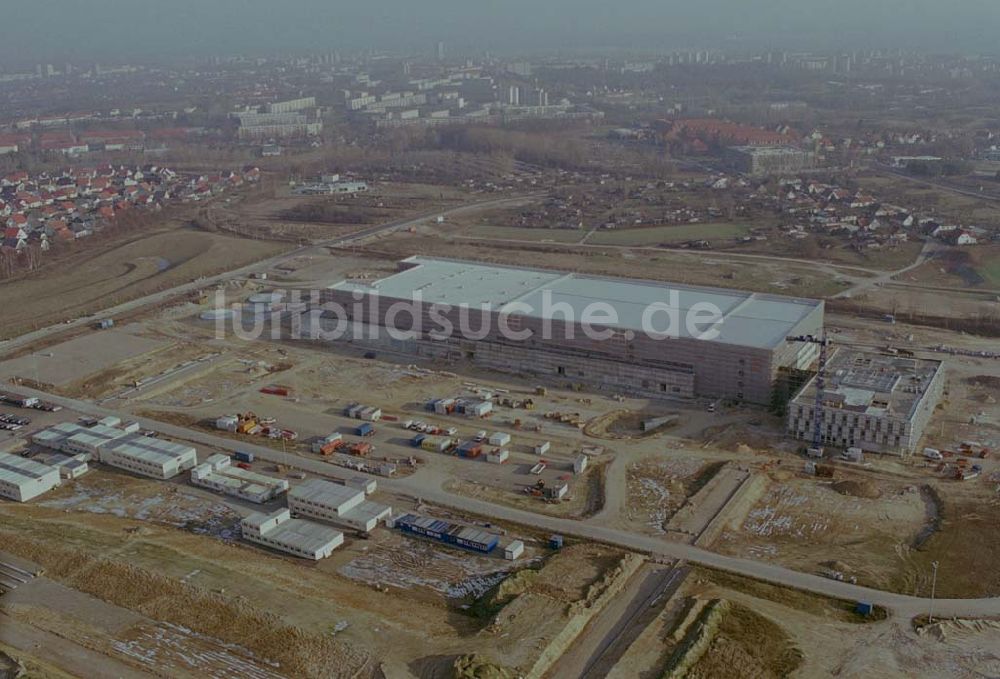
{"x":535,"y":490}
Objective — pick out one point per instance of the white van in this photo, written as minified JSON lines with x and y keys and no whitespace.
{"x":933,"y":454}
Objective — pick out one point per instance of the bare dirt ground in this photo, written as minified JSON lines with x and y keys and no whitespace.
{"x":696,"y":268}
{"x":782,"y":632}
{"x":291,"y":217}
{"x":77,"y":358}
{"x":116,"y":538}
{"x":833,"y":528}
{"x":659,"y":485}
{"x":585,"y":498}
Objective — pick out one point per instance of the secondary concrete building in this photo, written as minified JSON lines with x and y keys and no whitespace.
{"x":280,"y":531}
{"x":741,"y":361}
{"x":876,"y":402}
{"x":218,"y":474}
{"x":342,"y":505}
{"x":765,"y":160}
{"x":22,"y":479}
{"x":148,"y":456}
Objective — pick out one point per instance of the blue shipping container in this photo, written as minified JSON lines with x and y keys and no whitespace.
{"x":364,"y":429}
{"x":417,"y":440}
{"x":556,"y":542}
{"x":243,"y":457}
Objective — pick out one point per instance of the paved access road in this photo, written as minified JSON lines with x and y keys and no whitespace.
{"x":262,"y":265}
{"x":427,"y":485}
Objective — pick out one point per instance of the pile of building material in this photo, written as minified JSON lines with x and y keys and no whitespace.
{"x":249,"y":423}
{"x":571,"y":419}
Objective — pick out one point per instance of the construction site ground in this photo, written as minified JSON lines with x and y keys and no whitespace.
{"x":415,"y":593}
{"x":771,"y":631}
{"x":728,"y":480}
{"x":190,"y":377}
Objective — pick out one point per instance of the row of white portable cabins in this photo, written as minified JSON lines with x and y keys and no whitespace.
{"x":120,"y":446}
{"x":360,"y":411}
{"x":218,"y":473}
{"x":22,"y":479}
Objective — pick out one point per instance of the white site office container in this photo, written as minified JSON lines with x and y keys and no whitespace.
{"x":499,"y":457}
{"x":499,"y":438}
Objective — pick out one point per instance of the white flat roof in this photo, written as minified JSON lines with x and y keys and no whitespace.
{"x":243,"y":480}
{"x":305,"y":535}
{"x":17,"y":470}
{"x":149,"y":449}
{"x":298,"y":533}
{"x":324,"y":492}
{"x":366,"y":511}
{"x":749,"y":319}
{"x":57,"y":433}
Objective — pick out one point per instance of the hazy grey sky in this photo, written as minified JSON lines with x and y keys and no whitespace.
{"x":106,"y":29}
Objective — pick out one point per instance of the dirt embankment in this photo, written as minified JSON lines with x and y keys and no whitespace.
{"x":538,"y":614}
{"x":298,"y":653}
{"x":747,"y":645}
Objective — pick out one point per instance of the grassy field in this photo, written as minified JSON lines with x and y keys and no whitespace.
{"x":669,"y":234}
{"x":98,"y":278}
{"x":925,"y":198}
{"x":517,"y":233}
{"x":990,"y":271}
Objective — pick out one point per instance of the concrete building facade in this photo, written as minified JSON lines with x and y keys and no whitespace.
{"x":741,"y":363}
{"x":765,"y":160}
{"x":879,"y":403}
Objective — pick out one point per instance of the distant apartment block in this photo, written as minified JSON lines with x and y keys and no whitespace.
{"x":255,"y":126}
{"x":767,"y":160}
{"x":291,"y":105}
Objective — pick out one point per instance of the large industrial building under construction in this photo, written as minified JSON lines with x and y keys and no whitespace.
{"x":876,"y":402}
{"x":741,"y":363}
